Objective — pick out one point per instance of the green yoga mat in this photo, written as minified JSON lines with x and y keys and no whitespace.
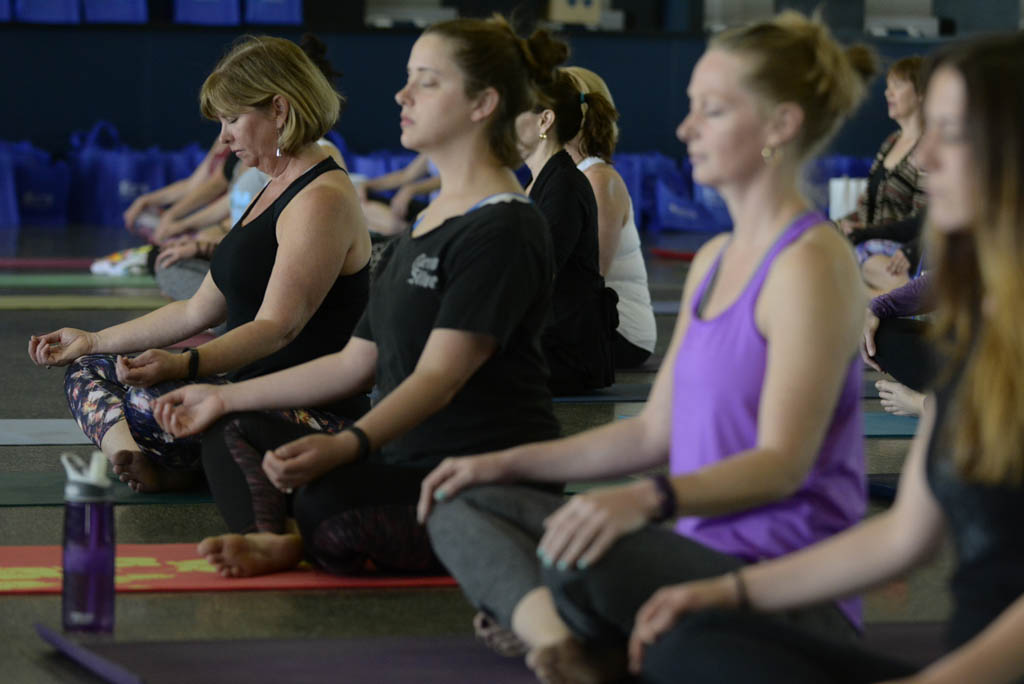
{"x":882,"y":425}
{"x":79,"y":302}
{"x":47,"y":489}
{"x":73,"y":280}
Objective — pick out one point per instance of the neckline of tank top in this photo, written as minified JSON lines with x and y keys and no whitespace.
{"x":302,"y":175}
{"x":588,"y":162}
{"x":496,"y":198}
{"x":701,"y":299}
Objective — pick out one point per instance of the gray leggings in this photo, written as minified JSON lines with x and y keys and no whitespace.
{"x":487,"y":538}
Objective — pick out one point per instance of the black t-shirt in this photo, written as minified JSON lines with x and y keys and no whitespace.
{"x":487,"y":271}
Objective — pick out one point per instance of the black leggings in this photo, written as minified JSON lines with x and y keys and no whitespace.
{"x":727,"y":647}
{"x":357,"y":518}
{"x":903,"y":352}
{"x":627,"y":354}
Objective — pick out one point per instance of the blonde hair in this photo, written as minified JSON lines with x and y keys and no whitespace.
{"x":796,"y":59}
{"x":980,"y":270}
{"x":261,"y":67}
{"x":600,"y":130}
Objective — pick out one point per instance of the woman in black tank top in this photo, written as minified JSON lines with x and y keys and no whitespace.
{"x":964,"y":475}
{"x":291,"y":279}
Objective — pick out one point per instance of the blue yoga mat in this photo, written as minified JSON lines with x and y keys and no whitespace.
{"x":27,"y":432}
{"x":669,"y":307}
{"x":886,"y":425}
{"x":619,"y":392}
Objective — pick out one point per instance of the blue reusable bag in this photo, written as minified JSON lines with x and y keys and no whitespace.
{"x":116,"y":11}
{"x":41,"y":185}
{"x":207,"y":12}
{"x":9,"y":218}
{"x":273,"y":12}
{"x":106,"y":175}
{"x":47,"y":11}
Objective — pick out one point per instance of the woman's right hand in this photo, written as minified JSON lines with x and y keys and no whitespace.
{"x":867,"y":343}
{"x":61,"y":347}
{"x":131,"y":214}
{"x":189,"y":410}
{"x":173,"y":252}
{"x":453,"y":475}
{"x":667,"y":605}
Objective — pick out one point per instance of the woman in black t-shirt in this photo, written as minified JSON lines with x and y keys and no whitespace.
{"x":450,"y":337}
{"x":578,"y":337}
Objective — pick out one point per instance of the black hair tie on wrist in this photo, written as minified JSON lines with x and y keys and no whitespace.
{"x":364,"y":441}
{"x":193,"y":363}
{"x":668,"y":503}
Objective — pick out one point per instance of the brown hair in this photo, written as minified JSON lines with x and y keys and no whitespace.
{"x":561,"y":97}
{"x":260,"y":67}
{"x":600,"y":130}
{"x":910,"y":69}
{"x":491,"y":55}
{"x":979,"y":277}
{"x":796,"y":59}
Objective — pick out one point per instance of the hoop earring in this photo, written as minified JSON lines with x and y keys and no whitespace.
{"x":279,"y":141}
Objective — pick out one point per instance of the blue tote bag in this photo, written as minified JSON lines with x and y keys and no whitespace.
{"x":8,"y":201}
{"x":41,"y":185}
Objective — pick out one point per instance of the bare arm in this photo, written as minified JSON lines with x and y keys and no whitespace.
{"x":417,"y":168}
{"x":198,"y":196}
{"x":612,"y":206}
{"x":212,"y":214}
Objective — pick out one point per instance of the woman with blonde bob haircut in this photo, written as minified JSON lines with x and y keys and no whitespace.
{"x":290,"y":280}
{"x":964,"y":476}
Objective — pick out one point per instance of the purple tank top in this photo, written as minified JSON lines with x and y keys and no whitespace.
{"x":719,"y":371}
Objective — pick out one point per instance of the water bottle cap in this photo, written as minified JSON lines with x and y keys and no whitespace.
{"x":87,"y":481}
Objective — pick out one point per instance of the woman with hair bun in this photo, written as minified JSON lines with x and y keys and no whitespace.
{"x":964,"y":476}
{"x":620,"y":256}
{"x":756,"y":409}
{"x":451,"y":337}
{"x":578,"y":338}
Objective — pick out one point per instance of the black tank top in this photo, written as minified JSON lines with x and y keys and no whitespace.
{"x":985,"y":523}
{"x":241,"y":268}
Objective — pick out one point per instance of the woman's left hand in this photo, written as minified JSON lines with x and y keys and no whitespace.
{"x":303,"y":460}
{"x":585,"y":527}
{"x":173,"y":253}
{"x":151,"y":367}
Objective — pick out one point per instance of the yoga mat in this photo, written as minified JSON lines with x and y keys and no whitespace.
{"x":882,"y":487}
{"x":177,"y":567}
{"x":46,"y":264}
{"x":76,"y":280}
{"x":676,"y":254}
{"x":665,"y":307}
{"x":868,"y":389}
{"x":40,"y":431}
{"x":619,"y":392}
{"x":79,"y":302}
{"x":47,"y":489}
{"x":363,"y":660}
{"x":885,"y":425}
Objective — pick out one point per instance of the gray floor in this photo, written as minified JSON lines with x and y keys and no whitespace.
{"x":30,"y":392}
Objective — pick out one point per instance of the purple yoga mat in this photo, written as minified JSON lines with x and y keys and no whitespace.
{"x":424,"y":660}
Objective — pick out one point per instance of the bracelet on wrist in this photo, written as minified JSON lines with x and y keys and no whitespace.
{"x":742,"y":597}
{"x":193,"y":363}
{"x":362,"y":438}
{"x":667,"y":502}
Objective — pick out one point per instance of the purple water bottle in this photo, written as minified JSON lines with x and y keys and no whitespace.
{"x":88,"y":601}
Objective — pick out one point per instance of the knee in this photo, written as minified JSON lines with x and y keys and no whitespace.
{"x":446,"y":518}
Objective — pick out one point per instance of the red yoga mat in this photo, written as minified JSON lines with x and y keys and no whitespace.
{"x":177,"y":567}
{"x":46,"y":264}
{"x":676,"y":254}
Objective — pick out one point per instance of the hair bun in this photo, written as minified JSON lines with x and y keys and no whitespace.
{"x":863,"y":60}
{"x":543,"y":54}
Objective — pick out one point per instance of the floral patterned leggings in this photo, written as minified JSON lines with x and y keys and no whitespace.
{"x":98,"y":401}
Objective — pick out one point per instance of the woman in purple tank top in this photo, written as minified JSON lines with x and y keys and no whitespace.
{"x":755,"y":409}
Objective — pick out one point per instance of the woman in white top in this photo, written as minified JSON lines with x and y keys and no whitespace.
{"x":621,"y":259}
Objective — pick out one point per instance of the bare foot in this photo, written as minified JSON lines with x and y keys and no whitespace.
{"x":502,"y":641}
{"x":568,"y":662}
{"x":259,"y":553}
{"x":900,"y":399}
{"x":135,"y":469}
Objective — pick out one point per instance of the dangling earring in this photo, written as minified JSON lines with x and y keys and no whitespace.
{"x":278,"y":151}
{"x":279,"y":142}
